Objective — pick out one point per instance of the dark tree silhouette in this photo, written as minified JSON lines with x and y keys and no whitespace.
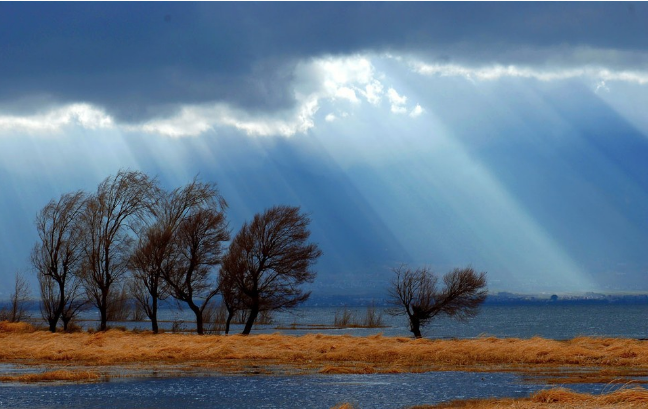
{"x":17,"y":310}
{"x":109,"y":219}
{"x":232,"y":298}
{"x":416,"y":294}
{"x":190,"y":241}
{"x":57,"y":258}
{"x":269,"y":259}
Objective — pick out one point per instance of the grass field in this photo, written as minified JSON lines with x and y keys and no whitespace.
{"x":84,"y":357}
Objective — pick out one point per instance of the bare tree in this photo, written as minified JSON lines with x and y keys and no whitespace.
{"x":194,"y":228}
{"x":158,"y":256}
{"x":73,"y":302}
{"x":110,"y":217}
{"x":57,"y":256}
{"x":269,"y":259}
{"x":17,"y":300}
{"x":415,"y":293}
{"x":232,"y":298}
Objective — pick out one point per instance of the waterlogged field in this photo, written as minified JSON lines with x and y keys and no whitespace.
{"x":302,"y":360}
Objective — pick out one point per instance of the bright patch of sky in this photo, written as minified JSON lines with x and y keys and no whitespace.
{"x":523,"y":155}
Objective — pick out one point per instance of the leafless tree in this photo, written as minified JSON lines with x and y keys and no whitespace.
{"x":197,"y":229}
{"x":269,"y":259}
{"x":57,"y":256}
{"x":415,"y":293}
{"x":110,"y":217}
{"x":73,"y":301}
{"x":17,"y":300}
{"x":232,"y":298}
{"x":157,"y":254}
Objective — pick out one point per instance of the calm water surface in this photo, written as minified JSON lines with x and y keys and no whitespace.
{"x":237,"y":392}
{"x":548,"y":321}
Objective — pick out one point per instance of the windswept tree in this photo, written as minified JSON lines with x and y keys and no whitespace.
{"x":73,"y":302}
{"x":57,"y":256}
{"x":158,"y":252}
{"x":269,"y":259}
{"x":109,"y":219}
{"x":231,"y":296}
{"x":196,"y":228}
{"x":416,"y":293}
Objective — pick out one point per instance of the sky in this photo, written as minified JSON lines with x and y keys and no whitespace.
{"x":512,"y":137}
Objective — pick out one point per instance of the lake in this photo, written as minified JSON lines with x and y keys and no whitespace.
{"x":307,"y":391}
{"x":326,"y":391}
{"x":555,"y":321}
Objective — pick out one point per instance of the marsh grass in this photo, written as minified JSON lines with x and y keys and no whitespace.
{"x":346,"y":319}
{"x":558,"y":398}
{"x":316,"y":352}
{"x":51,"y":376}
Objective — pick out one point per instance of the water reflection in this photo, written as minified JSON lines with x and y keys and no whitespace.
{"x":315,"y":391}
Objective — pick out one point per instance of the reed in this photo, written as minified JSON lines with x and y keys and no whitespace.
{"x":558,"y":398}
{"x":58,"y":375}
{"x":317,"y":352}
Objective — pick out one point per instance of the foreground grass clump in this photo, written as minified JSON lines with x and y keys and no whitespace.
{"x":558,"y":398}
{"x":316,"y":352}
{"x":59,"y":375}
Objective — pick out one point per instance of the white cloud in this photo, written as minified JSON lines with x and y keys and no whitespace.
{"x":338,"y":80}
{"x":347,"y":93}
{"x":495,"y":72}
{"x":417,"y":111}
{"x":397,"y":101}
{"x":54,"y":120}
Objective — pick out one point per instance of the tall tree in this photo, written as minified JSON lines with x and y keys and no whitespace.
{"x":196,"y":228}
{"x":57,"y":256}
{"x":269,"y":259}
{"x":110,"y":217}
{"x":415,"y":293}
{"x":158,"y":255}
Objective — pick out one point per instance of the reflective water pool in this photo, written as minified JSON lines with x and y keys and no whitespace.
{"x":315,"y":391}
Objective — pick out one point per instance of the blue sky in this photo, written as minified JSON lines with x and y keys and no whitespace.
{"x":509,"y":136}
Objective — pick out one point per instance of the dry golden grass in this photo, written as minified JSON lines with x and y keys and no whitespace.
{"x":558,"y":398}
{"x":59,"y":375}
{"x":318,"y":353}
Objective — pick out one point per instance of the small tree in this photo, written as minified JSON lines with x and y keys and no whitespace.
{"x":17,"y":300}
{"x":269,"y":259}
{"x":415,"y":293}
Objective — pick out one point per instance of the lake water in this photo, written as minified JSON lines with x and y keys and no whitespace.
{"x":238,"y":392}
{"x":326,"y":391}
{"x":549,"y":321}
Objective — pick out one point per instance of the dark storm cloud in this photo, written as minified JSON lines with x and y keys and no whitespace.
{"x":138,"y":59}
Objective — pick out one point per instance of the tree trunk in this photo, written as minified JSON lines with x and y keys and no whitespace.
{"x":103,"y":310}
{"x":199,"y":318}
{"x":230,"y":315}
{"x":61,"y":306}
{"x":415,"y":326}
{"x":66,"y":321}
{"x":254,"y":311}
{"x":52,"y":324}
{"x":153,"y":317}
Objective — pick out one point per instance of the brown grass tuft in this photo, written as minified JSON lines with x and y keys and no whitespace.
{"x":49,"y":376}
{"x":558,"y":398}
{"x":16,"y":327}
